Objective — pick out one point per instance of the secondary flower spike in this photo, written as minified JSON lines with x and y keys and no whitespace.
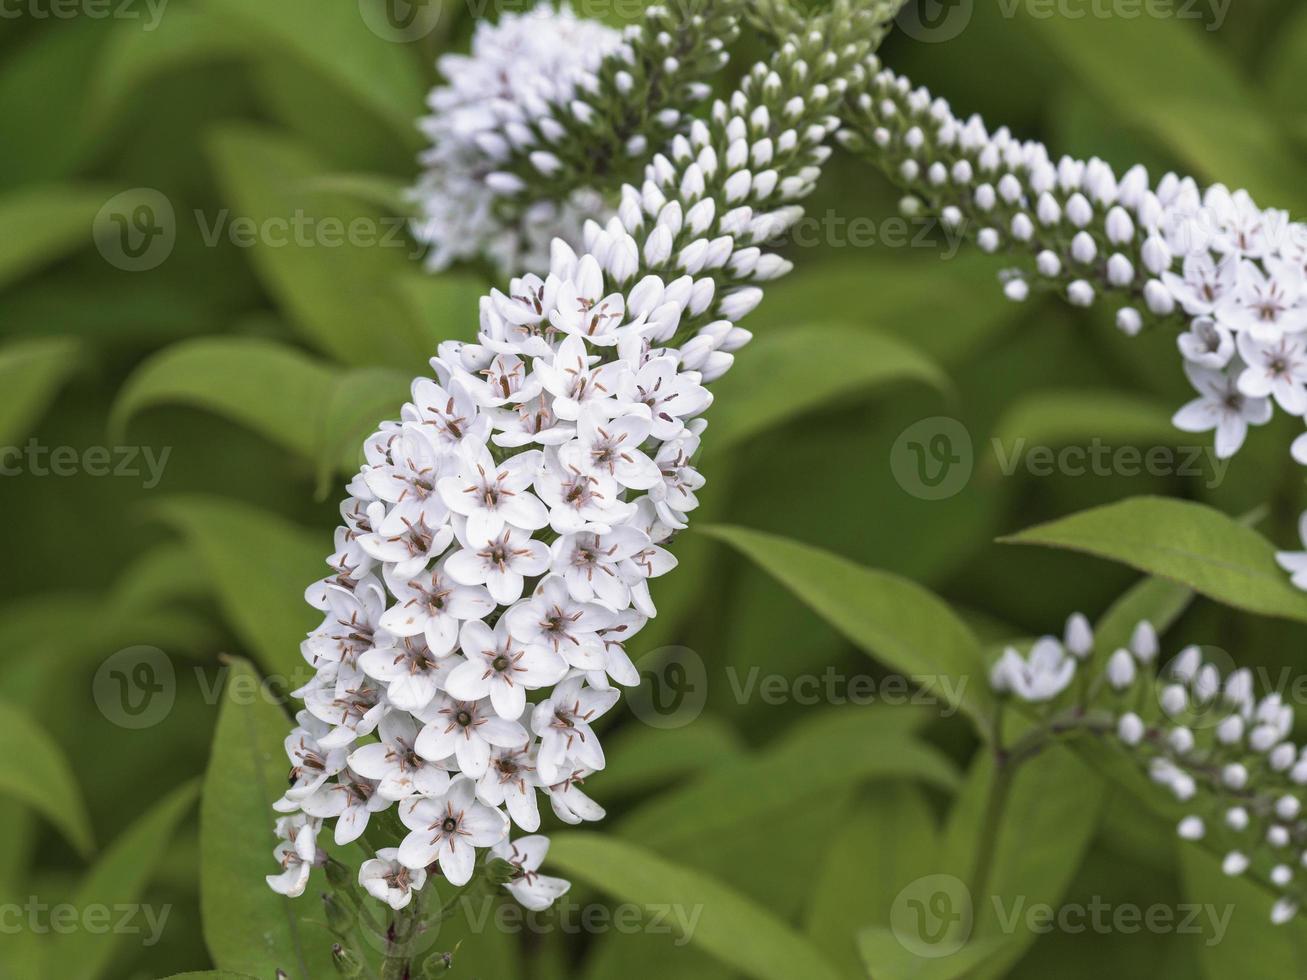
{"x":1228,"y":276}
{"x":498,"y":543}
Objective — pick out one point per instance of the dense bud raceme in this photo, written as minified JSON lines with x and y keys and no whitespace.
{"x":535,"y":130}
{"x":499,"y":541}
{"x":1230,"y":276}
{"x":1208,"y":740}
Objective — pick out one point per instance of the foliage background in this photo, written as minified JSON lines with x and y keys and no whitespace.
{"x":261,"y":367}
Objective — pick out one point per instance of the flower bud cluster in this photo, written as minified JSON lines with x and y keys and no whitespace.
{"x":535,"y":130}
{"x":498,"y":543}
{"x":1207,"y":738}
{"x":1230,"y":275}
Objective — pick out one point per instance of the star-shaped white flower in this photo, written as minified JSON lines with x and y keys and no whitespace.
{"x":395,"y":764}
{"x":466,"y":730}
{"x":1221,"y":406}
{"x":501,"y":563}
{"x":296,"y":853}
{"x":449,"y":829}
{"x":534,"y":890}
{"x":1275,"y":368}
{"x":491,"y":494}
{"x":384,"y":878}
{"x":433,"y":604}
{"x":1041,"y":676}
{"x":351,"y":800}
{"x":553,"y":619}
{"x":563,"y":724}
{"x":502,"y":668}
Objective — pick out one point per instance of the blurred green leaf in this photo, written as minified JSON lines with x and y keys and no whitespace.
{"x":859,"y":878}
{"x":1241,"y":910}
{"x":33,"y":769}
{"x":1047,"y":817}
{"x":863,"y":746}
{"x":277,"y":391}
{"x":886,"y":958}
{"x":640,"y":759}
{"x":749,"y":399}
{"x":445,"y":307}
{"x":729,"y":927}
{"x":892,"y":619}
{"x":1062,"y":418}
{"x":210,"y":975}
{"x":118,"y":878}
{"x":43,"y":223}
{"x":1153,"y":599}
{"x":334,"y":41}
{"x":260,"y":565}
{"x":357,"y":403}
{"x":31,"y":373}
{"x":1185,"y":542}
{"x":331,"y":262}
{"x":1283,"y":69}
{"x":248,"y":927}
{"x":1176,"y":84}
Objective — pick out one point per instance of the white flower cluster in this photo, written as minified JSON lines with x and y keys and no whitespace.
{"x":498,"y":543}
{"x":1209,"y":740}
{"x":534,"y":131}
{"x":1234,"y":274}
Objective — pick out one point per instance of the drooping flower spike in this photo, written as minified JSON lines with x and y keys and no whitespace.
{"x":1228,"y":276}
{"x":1206,"y":738}
{"x":535,"y":131}
{"x":499,"y":541}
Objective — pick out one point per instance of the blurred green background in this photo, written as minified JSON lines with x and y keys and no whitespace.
{"x":228,"y":383}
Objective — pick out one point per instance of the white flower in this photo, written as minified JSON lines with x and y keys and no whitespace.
{"x":408,"y":479}
{"x":502,"y":563}
{"x":412,"y":675}
{"x":563,"y":724}
{"x":579,"y":500}
{"x":612,"y":448}
{"x":1039,"y":677}
{"x":384,"y":878}
{"x":534,"y":890}
{"x":491,"y":494}
{"x":351,"y":800}
{"x":433,"y":604}
{"x":594,"y":565}
{"x":553,"y":619}
{"x":511,"y":782}
{"x":577,"y":386}
{"x":448,"y":829}
{"x":465,"y":730}
{"x":1265,"y":304}
{"x":502,"y":668}
{"x":1275,"y":368}
{"x":670,"y":395}
{"x":1207,"y":343}
{"x":1205,"y":284}
{"x":569,"y":804}
{"x":352,"y":618}
{"x":311,"y":763}
{"x":296,"y":853}
{"x":395,"y":764}
{"x":1221,"y":406}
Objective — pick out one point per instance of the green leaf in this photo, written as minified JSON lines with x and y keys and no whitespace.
{"x":894,"y":620}
{"x":31,"y":373}
{"x":1063,"y":418}
{"x":358,"y":402}
{"x":640,"y":759}
{"x":335,"y":276}
{"x":730,"y":927}
{"x":886,"y":958}
{"x":788,"y":373}
{"x":850,"y":749}
{"x":1190,"y":99}
{"x":334,"y":41}
{"x":248,"y":927}
{"x":259,"y":565}
{"x":275,"y":390}
{"x":118,"y":878}
{"x":33,"y":770}
{"x":210,"y":975}
{"x":1047,"y":820}
{"x":1241,"y":909}
{"x":41,"y":224}
{"x":1188,"y":543}
{"x":856,"y":884}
